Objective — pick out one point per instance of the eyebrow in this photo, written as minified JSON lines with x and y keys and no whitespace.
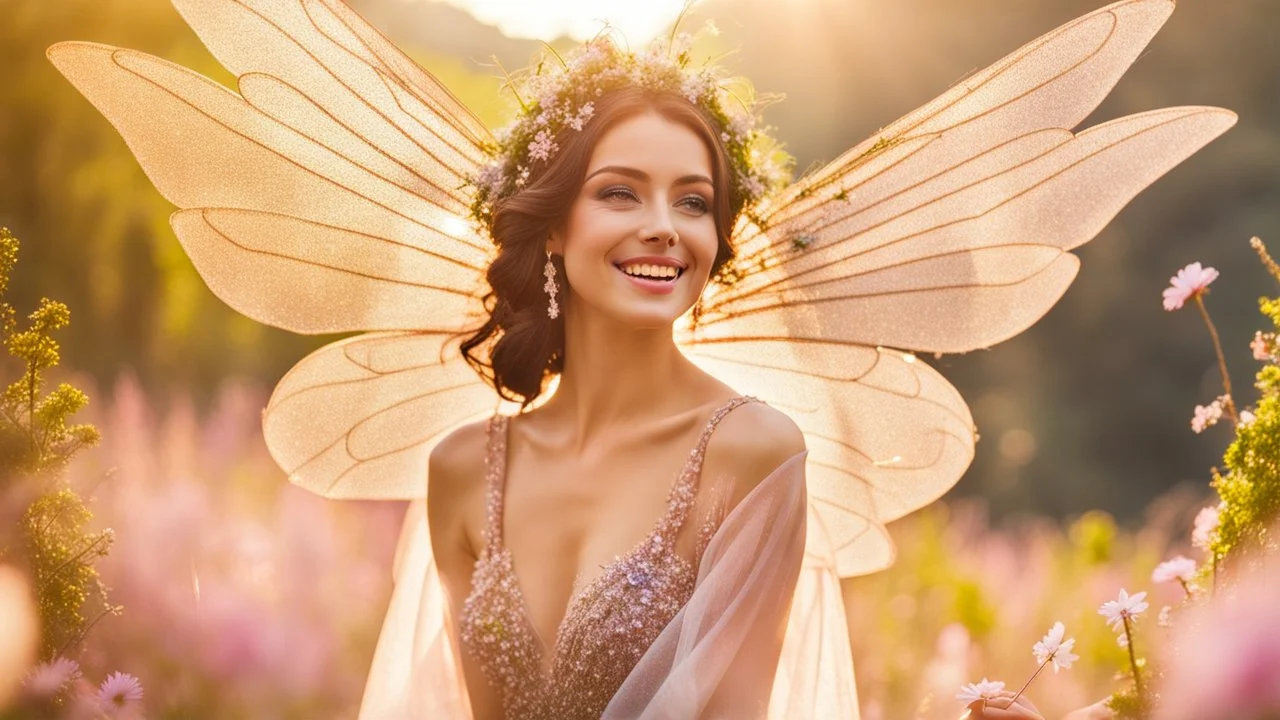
{"x":644,"y":177}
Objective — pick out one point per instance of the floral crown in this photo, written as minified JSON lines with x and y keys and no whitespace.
{"x":559,"y":93}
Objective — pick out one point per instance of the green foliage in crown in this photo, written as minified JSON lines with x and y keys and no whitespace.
{"x":558,"y":95}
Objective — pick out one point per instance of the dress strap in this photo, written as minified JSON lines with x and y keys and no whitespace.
{"x":686,"y":487}
{"x":495,"y":470}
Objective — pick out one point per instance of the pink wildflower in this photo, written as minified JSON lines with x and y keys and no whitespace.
{"x":1190,"y":281}
{"x":1223,"y":660}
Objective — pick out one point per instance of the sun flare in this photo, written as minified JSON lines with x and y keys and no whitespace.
{"x":639,"y":22}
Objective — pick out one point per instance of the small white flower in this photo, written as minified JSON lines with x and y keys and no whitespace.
{"x":985,"y":690}
{"x":1054,"y":648}
{"x":1179,"y":568}
{"x":1122,"y":640}
{"x":1246,"y":418}
{"x":1115,"y":611}
{"x":120,"y":690}
{"x":741,"y":123}
{"x":1165,"y":618}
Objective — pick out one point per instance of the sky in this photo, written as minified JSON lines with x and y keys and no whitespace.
{"x":638,"y":20}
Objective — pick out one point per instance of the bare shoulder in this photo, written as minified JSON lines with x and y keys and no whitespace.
{"x":457,"y":459}
{"x":750,"y":442}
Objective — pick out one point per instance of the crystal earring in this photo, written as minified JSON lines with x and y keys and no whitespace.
{"x":549,"y":270}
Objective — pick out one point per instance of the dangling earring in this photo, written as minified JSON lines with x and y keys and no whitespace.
{"x":553,"y":310}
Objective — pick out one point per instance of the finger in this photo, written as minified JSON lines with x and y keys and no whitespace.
{"x":1022,"y":700}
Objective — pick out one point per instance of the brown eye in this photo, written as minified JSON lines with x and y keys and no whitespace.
{"x":615,"y":192}
{"x":697,"y":203}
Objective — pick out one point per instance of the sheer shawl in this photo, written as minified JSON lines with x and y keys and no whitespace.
{"x":763,"y":635}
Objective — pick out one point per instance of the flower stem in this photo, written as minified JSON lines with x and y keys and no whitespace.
{"x":1137,"y":676}
{"x":1185,"y":587}
{"x":1033,"y":677}
{"x":1222,"y":361}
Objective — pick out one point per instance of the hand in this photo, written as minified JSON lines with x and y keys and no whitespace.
{"x":1096,"y":711}
{"x":999,"y":708}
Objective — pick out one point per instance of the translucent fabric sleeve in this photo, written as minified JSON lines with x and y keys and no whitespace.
{"x":720,"y":654}
{"x":416,"y":672}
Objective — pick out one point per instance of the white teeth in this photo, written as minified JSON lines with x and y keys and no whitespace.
{"x":656,"y":271}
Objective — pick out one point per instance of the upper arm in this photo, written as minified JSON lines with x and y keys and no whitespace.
{"x":455,"y":513}
{"x":455,"y":471}
{"x":750,"y":443}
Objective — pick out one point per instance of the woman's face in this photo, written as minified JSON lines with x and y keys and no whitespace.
{"x":647,"y":192}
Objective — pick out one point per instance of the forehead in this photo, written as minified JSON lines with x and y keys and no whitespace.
{"x":654,"y":144}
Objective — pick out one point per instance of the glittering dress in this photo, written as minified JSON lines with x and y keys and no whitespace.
{"x":608,"y":625}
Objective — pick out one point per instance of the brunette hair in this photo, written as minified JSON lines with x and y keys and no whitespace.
{"x":530,"y":345}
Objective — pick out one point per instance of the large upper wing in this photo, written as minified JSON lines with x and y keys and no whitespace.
{"x":328,"y":195}
{"x":949,"y":231}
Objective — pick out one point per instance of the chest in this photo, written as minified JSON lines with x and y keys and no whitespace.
{"x":564,"y":520}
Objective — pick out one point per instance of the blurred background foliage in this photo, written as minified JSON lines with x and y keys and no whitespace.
{"x":1088,"y":409}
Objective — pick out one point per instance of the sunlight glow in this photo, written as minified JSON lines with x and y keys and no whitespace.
{"x":639,"y":22}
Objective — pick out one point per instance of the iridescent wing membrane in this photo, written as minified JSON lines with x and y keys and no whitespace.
{"x":947,"y":232}
{"x":327,"y":196}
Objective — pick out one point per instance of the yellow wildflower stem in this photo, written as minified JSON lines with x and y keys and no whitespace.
{"x":1222,"y":360}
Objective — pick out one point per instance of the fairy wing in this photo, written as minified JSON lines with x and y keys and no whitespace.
{"x":947,"y":232}
{"x":326,"y":196}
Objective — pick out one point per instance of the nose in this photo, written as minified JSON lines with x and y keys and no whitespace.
{"x":659,"y":228}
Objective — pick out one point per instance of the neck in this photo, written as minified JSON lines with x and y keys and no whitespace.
{"x":616,"y":377}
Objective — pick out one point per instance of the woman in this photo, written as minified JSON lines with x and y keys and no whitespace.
{"x":643,"y":187}
{"x":527,"y":586}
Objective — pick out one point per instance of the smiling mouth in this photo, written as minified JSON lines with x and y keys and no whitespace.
{"x":672,"y":279}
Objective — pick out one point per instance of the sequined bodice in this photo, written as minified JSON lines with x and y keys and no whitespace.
{"x":608,"y":625}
